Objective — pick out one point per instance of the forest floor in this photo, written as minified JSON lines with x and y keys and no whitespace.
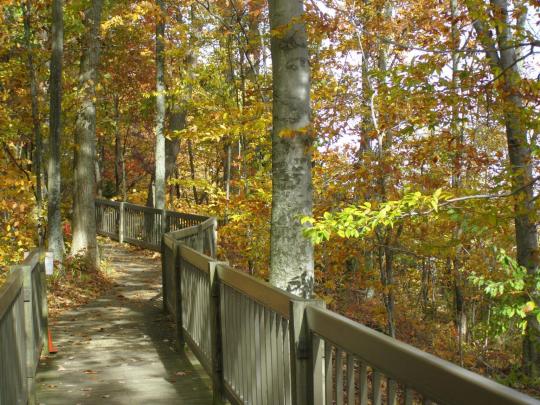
{"x":115,"y":344}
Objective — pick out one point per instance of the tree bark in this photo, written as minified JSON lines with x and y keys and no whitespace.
{"x":54,"y":219}
{"x":118,"y":150}
{"x":159,"y":175}
{"x":502,"y":58}
{"x":291,"y":254}
{"x":456,"y":181}
{"x":192,"y":170}
{"x":84,"y":217}
{"x":37,"y":152}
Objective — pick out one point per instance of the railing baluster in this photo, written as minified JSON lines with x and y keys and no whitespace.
{"x":317,"y":396}
{"x":328,"y":368}
{"x":351,"y":393}
{"x":264,"y":358}
{"x":224,"y":330}
{"x":279,"y":363}
{"x":376,"y":378}
{"x":363,"y":384}
{"x":409,"y":396}
{"x":391,"y":391}
{"x":247,"y":349}
{"x":257,"y":353}
{"x":287,"y":361}
{"x":339,"y":376}
{"x":238,"y":345}
{"x":270,"y":357}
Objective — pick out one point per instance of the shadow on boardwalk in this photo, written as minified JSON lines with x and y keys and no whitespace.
{"x":120,"y":349}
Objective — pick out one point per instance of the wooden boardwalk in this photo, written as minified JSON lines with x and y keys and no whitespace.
{"x":120,"y":348}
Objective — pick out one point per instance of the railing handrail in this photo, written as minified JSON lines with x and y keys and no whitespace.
{"x":193,"y":230}
{"x":422,"y":371}
{"x":110,"y":203}
{"x":145,"y":208}
{"x":9,"y":290}
{"x":258,"y":290}
{"x":142,"y":208}
{"x":188,"y":216}
{"x":309,"y":324}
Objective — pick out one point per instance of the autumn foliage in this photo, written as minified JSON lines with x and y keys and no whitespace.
{"x":410,"y":137}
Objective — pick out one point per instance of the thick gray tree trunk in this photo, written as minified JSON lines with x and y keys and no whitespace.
{"x":502,"y":57}
{"x":54,"y":219}
{"x":159,"y":176}
{"x":291,"y":254}
{"x":84,"y":217}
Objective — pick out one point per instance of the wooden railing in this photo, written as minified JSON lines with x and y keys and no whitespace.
{"x":140,"y":225}
{"x":262,"y":345}
{"x":23,"y":329}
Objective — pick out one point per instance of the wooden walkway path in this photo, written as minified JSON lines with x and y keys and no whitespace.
{"x":120,"y":349}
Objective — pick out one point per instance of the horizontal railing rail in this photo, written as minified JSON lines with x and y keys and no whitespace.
{"x":262,"y":345}
{"x":23,"y":328}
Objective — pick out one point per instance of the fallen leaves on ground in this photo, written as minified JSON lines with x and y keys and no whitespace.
{"x":72,"y":290}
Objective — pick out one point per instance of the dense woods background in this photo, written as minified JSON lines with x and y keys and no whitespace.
{"x":424,"y":124}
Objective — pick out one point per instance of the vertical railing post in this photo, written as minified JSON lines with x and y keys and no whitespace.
{"x":178,"y":284}
{"x":44,"y":302}
{"x":303,"y":373}
{"x":121,"y":225}
{"x":213,"y":239}
{"x":199,"y":240}
{"x":164,"y":227}
{"x":29,"y":333}
{"x":215,"y":336}
{"x":163,"y":249}
{"x":316,"y":380}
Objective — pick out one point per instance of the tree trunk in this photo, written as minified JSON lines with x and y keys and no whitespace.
{"x":84,"y":217}
{"x":291,"y":254}
{"x":159,"y":176}
{"x":37,"y":152}
{"x":192,"y":170}
{"x":502,"y":58}
{"x":118,"y":155}
{"x":457,"y":139}
{"x":176,"y":122}
{"x":54,"y":219}
{"x":98,"y":168}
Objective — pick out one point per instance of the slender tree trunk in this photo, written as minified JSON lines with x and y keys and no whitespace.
{"x":36,"y":125}
{"x":192,"y":170}
{"x":502,"y":58}
{"x":227,"y":172}
{"x":98,"y":168}
{"x":232,"y":150}
{"x":159,"y":176}
{"x":291,"y":254}
{"x":54,"y":219}
{"x":389,"y":295}
{"x":387,"y":237}
{"x":84,"y":217}
{"x":457,"y":139}
{"x":117,"y":147}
